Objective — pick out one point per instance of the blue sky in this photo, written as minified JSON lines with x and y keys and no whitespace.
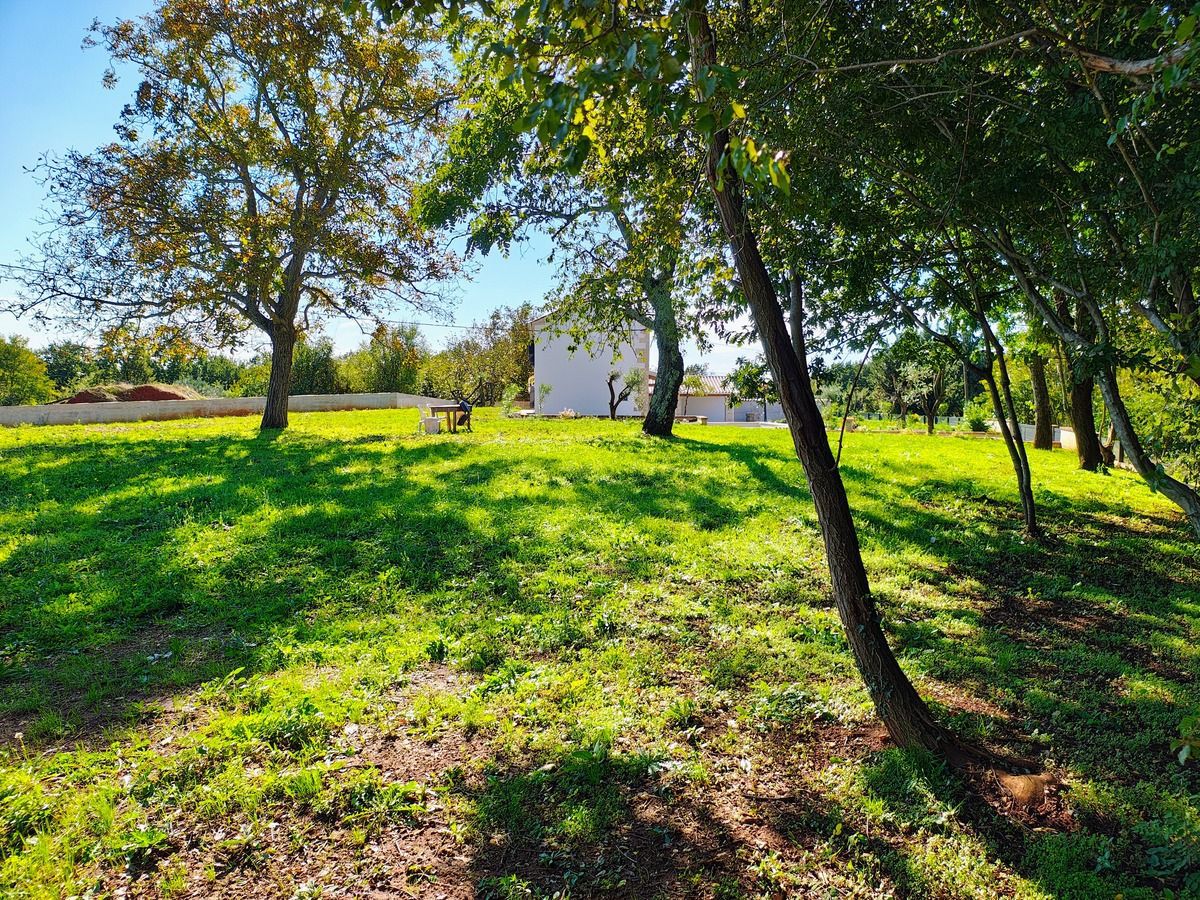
{"x":51,"y":99}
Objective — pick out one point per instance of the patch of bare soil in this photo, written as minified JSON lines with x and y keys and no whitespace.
{"x":675,"y":836}
{"x":158,"y":392}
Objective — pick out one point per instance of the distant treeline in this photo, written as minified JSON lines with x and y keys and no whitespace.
{"x":490,"y":360}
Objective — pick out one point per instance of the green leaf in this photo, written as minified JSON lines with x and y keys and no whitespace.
{"x":1186,"y":28}
{"x":631,"y":56}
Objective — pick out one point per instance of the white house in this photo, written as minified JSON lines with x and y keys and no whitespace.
{"x":715,"y":403}
{"x":572,"y":373}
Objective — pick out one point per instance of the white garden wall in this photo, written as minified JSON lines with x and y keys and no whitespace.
{"x":161,"y":410}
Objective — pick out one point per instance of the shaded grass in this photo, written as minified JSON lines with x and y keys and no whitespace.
{"x":198,"y":623}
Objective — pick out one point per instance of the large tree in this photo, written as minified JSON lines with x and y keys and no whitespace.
{"x":568,"y":54}
{"x":23,"y":377}
{"x":260,"y":178}
{"x":620,"y":221}
{"x":1092,"y":212}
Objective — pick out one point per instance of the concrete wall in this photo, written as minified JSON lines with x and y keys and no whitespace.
{"x":161,"y":410}
{"x":577,"y":371}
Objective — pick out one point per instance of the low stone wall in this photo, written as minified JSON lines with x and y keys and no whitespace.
{"x":162,"y":410}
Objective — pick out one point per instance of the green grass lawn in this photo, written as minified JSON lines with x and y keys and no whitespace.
{"x":561,"y":659}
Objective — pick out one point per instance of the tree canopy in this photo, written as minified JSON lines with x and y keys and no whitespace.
{"x":260,"y":178}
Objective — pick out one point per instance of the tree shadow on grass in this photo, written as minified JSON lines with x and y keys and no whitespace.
{"x":592,"y":824}
{"x":1081,"y":649}
{"x":151,"y":565}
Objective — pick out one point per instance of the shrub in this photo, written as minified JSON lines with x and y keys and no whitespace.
{"x":506,"y":400}
{"x":977,"y":414}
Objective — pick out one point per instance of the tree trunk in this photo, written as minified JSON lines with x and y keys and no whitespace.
{"x":1083,"y":414}
{"x":933,"y":399}
{"x":905,"y":715}
{"x":1176,"y":491}
{"x":1083,"y":421}
{"x":1183,"y":496}
{"x":660,"y":416}
{"x":1016,"y":441}
{"x":1016,"y":450}
{"x":796,"y":312}
{"x":1043,"y":427}
{"x":283,"y":346}
{"x":1062,"y":375}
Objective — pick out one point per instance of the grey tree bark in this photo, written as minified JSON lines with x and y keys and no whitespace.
{"x":660,"y":416}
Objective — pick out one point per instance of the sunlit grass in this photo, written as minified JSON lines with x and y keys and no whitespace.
{"x":199,"y":619}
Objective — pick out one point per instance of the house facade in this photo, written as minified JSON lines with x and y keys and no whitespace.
{"x":571,"y":372}
{"x":715,"y":402}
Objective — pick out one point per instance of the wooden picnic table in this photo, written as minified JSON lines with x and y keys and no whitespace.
{"x":451,"y":414}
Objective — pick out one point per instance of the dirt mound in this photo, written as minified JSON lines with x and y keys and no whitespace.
{"x":158,"y":392}
{"x":109,"y":393}
{"x":93,"y":395}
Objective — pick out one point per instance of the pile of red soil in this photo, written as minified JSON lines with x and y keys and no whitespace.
{"x":92,"y":395}
{"x":156,"y":392}
{"x":111,"y":393}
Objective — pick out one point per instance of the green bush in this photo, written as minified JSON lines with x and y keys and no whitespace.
{"x":978,"y":413}
{"x":23,"y":377}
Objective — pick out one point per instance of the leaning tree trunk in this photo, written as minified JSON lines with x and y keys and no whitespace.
{"x":283,"y":347}
{"x":1174,"y":490}
{"x":905,"y":715}
{"x":1016,"y":452}
{"x":1010,"y":426}
{"x":660,"y":415}
{"x":1043,"y":426}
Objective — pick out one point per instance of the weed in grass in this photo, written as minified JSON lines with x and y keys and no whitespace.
{"x":141,"y":847}
{"x":24,"y":809}
{"x":683,"y":713}
{"x":361,"y":799}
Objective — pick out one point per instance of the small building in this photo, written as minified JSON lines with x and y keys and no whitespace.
{"x":715,"y":402}
{"x":570,"y":371}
